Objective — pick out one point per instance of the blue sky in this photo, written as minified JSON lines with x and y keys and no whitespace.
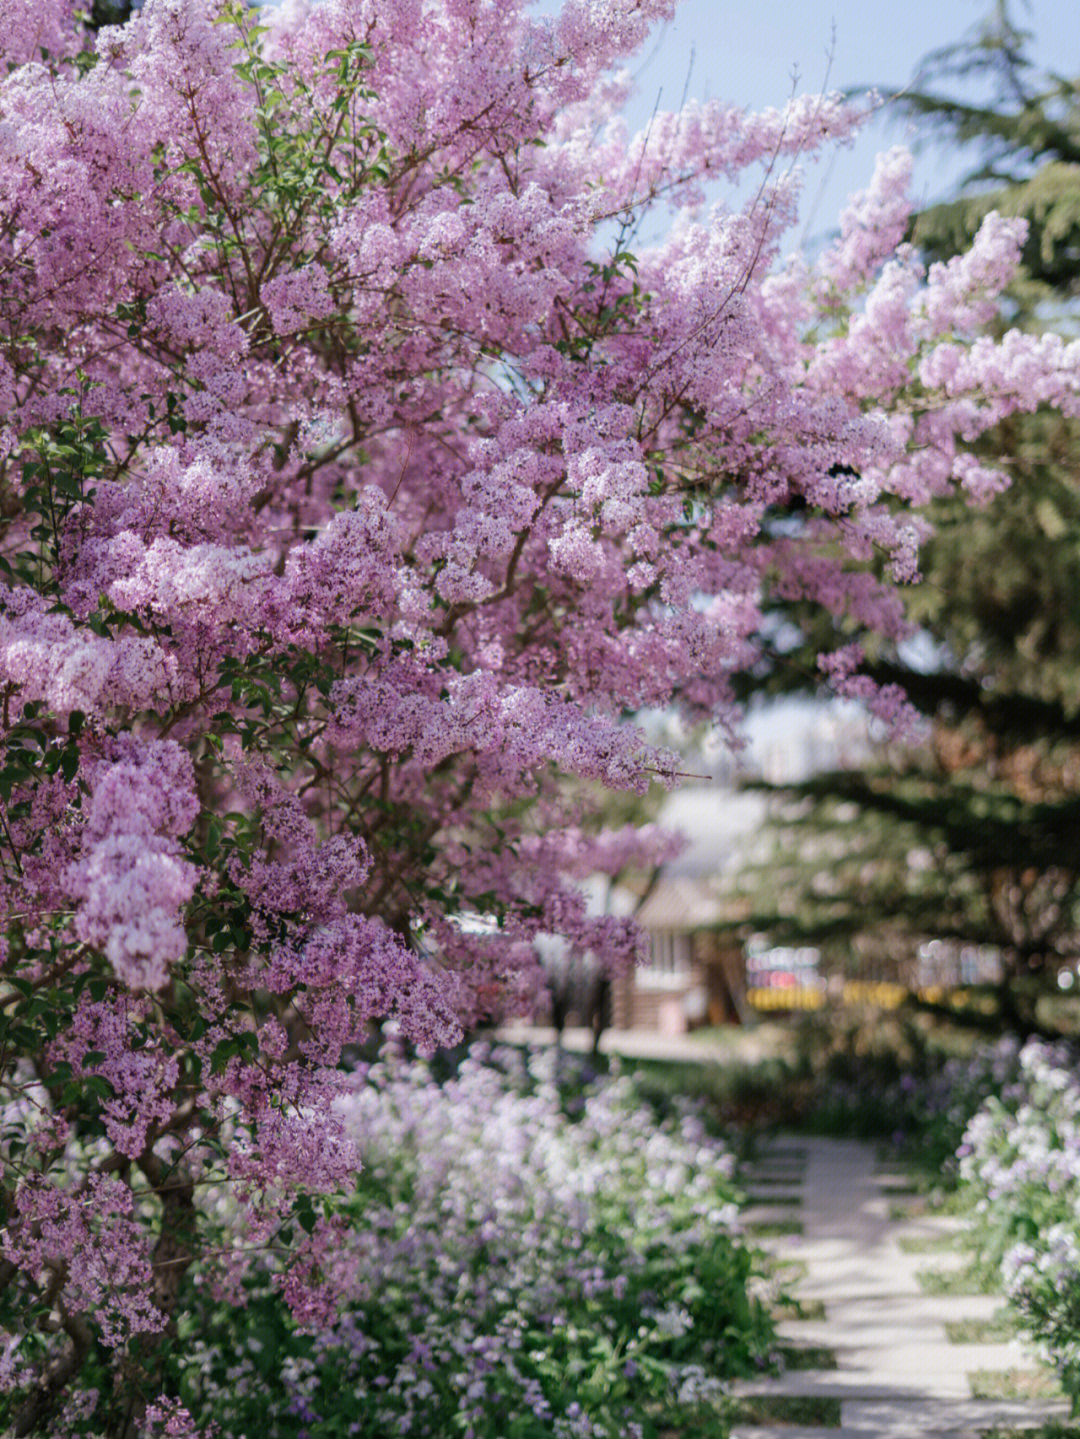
{"x":745,"y":50}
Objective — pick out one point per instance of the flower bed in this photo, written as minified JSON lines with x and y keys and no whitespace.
{"x":1021,"y":1160}
{"x":517,"y":1263}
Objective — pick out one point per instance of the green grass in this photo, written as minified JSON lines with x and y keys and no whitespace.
{"x":788,"y":1271}
{"x":1013,"y":1384}
{"x":937,"y":1202}
{"x":950,"y":1201}
{"x":899,"y":1212}
{"x":931,"y":1243}
{"x":774,"y":1228}
{"x":813,"y":1411}
{"x":807,"y":1356}
{"x":995,"y":1330}
{"x":808,"y":1309}
{"x":736,"y":1095}
{"x":782,"y":1199}
{"x":968,"y":1280}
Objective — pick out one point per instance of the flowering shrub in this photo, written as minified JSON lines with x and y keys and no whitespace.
{"x":358,"y":479}
{"x":917,"y":1096}
{"x":879,"y":1074}
{"x":1021,"y":1159}
{"x":506,"y":1269}
{"x":933,"y":1110}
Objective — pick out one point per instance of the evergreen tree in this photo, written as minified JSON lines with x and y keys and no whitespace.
{"x":973,"y":835}
{"x":1025,"y":133}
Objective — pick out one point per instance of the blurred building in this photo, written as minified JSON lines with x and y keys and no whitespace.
{"x":696,"y":972}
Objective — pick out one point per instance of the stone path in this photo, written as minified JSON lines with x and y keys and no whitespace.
{"x":734,"y":1044}
{"x":897,"y":1375}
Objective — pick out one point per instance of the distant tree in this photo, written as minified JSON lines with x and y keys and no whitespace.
{"x":994,"y":796}
{"x":109,"y":12}
{"x":1025,"y":135}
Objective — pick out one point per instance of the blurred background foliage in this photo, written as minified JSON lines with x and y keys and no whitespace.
{"x":975,"y":834}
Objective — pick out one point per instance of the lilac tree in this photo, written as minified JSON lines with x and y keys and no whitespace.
{"x":362,"y":473}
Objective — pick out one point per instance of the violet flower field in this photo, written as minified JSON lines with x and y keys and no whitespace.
{"x":524,"y":1258}
{"x":1021,"y":1163}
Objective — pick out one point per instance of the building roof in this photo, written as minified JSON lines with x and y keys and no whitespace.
{"x":719,"y":824}
{"x":680,"y":904}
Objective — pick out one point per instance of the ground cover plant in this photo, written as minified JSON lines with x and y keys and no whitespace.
{"x":528,"y":1257}
{"x":997,"y":1329}
{"x":363,"y":470}
{"x":814,"y":1411}
{"x":972,"y":1278}
{"x":1053,"y":1430}
{"x":1020,"y":1164}
{"x":1013,"y":1384}
{"x":808,"y":1356}
{"x":904,"y":1078}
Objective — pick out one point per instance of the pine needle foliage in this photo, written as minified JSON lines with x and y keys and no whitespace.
{"x":971,"y":837}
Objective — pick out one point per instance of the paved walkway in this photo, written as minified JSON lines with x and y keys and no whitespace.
{"x":746,"y":1046}
{"x":897,"y":1375}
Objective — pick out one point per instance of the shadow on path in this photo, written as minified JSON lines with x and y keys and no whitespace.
{"x":897,"y":1376}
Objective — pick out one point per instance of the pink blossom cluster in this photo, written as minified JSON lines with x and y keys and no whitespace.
{"x":131,"y":882}
{"x":142,"y":1077}
{"x":45,"y":657}
{"x":92,"y":1242}
{"x":30,"y":27}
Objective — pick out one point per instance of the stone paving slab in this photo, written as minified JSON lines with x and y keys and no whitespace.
{"x":868,"y":1286}
{"x":869,"y":1278}
{"x":904,"y":1311}
{"x":898,"y":1377}
{"x":933,"y":1370}
{"x":905,"y":1418}
{"x":887,"y":1419}
{"x":902,"y":1386}
{"x":907,"y":1427}
{"x":1005,"y":1354}
{"x":923,"y":1225}
{"x":881,"y":1334}
{"x":792,"y":1431}
{"x":886,"y":1259}
{"x":774,"y":1174}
